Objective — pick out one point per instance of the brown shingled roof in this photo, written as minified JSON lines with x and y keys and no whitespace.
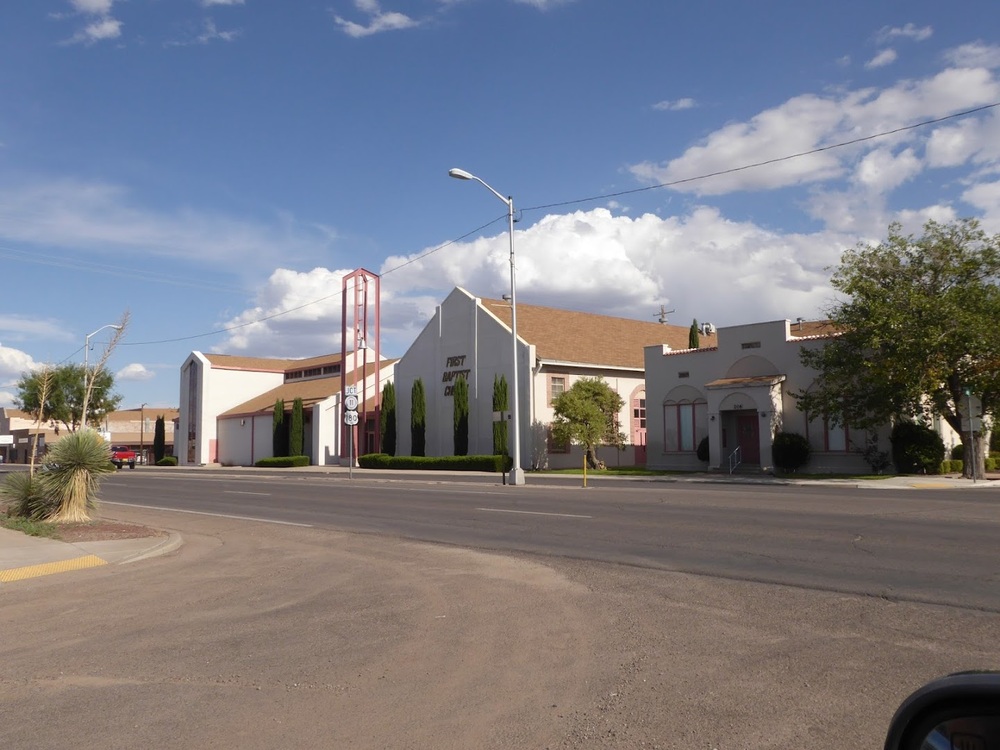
{"x":586,"y":338}
{"x":310,"y":391}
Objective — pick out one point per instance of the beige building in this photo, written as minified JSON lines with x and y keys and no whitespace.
{"x":471,"y":337}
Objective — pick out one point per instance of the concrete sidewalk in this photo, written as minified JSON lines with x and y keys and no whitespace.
{"x":23,"y":556}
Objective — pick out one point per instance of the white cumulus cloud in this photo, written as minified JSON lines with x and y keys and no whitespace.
{"x":883,"y":58}
{"x":379,"y":20}
{"x":135,"y":372}
{"x":675,"y":105}
{"x":908,"y":31}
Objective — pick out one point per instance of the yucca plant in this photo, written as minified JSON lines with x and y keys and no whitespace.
{"x":71,"y":476}
{"x":25,"y":496}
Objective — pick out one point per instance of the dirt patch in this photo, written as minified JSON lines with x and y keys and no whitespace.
{"x":102,"y":530}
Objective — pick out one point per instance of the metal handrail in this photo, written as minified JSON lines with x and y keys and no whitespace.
{"x":735,"y":459}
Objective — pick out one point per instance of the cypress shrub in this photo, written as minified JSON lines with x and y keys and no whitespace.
{"x":159,"y":440}
{"x":387,"y":419}
{"x":296,"y":430}
{"x":500,"y":405}
{"x":279,"y":432}
{"x":460,"y":400}
{"x":418,"y":419}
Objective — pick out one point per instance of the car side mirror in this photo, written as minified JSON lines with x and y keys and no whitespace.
{"x":957,"y":712}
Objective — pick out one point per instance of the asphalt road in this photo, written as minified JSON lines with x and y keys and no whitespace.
{"x":927,"y":546}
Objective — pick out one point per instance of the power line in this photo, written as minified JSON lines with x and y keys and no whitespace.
{"x":766,"y":162}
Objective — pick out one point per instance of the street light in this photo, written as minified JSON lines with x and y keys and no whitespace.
{"x":516,"y":472}
{"x":86,"y":370}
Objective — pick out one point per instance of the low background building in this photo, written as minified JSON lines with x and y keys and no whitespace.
{"x":131,"y":427}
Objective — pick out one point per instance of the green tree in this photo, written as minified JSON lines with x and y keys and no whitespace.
{"x":587,"y":414}
{"x":500,"y":447}
{"x":62,"y":401}
{"x":418,"y":419}
{"x":917,"y":327}
{"x":159,"y":439}
{"x":279,"y":430}
{"x":387,"y":419}
{"x":693,"y":339}
{"x":460,"y":399}
{"x":296,"y":430}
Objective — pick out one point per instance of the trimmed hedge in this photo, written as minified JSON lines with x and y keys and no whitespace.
{"x":790,"y":451}
{"x":916,"y":449}
{"x":436,"y":463}
{"x":282,"y":462}
{"x":167,"y":461}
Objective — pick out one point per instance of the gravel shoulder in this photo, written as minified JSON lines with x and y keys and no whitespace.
{"x":258,"y":635}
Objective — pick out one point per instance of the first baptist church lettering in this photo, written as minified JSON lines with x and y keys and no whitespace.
{"x":449,"y":375}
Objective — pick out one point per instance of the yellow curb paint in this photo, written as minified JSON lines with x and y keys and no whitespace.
{"x":928,"y":485}
{"x":35,"y":571}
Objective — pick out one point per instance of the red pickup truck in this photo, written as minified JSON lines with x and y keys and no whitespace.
{"x":121,"y":455}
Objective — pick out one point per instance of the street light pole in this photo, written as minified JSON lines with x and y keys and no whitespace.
{"x":516,"y":475}
{"x":86,"y":371}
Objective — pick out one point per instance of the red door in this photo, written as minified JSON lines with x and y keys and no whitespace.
{"x":748,"y":437}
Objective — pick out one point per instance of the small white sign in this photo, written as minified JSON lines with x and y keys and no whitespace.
{"x":350,"y":390}
{"x":6,"y":439}
{"x":351,"y":402}
{"x":350,"y":418}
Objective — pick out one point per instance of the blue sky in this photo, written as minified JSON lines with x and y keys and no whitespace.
{"x":205,"y":164}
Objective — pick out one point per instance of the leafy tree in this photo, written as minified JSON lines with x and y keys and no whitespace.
{"x":387,"y":419}
{"x":693,"y":340}
{"x":279,"y":430}
{"x":587,"y":414}
{"x":418,"y":419}
{"x":57,"y":395}
{"x":296,"y":430}
{"x":159,"y":439}
{"x":460,"y":399}
{"x":917,"y":327}
{"x":500,"y":447}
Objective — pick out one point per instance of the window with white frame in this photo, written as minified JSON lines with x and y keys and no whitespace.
{"x":557,"y":386}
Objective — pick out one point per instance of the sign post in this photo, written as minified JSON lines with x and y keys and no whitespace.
{"x":351,"y":420}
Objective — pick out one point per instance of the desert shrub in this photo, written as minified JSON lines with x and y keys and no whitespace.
{"x":25,"y":497}
{"x":790,"y":451}
{"x":72,"y":471}
{"x":167,"y":461}
{"x":916,"y":449}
